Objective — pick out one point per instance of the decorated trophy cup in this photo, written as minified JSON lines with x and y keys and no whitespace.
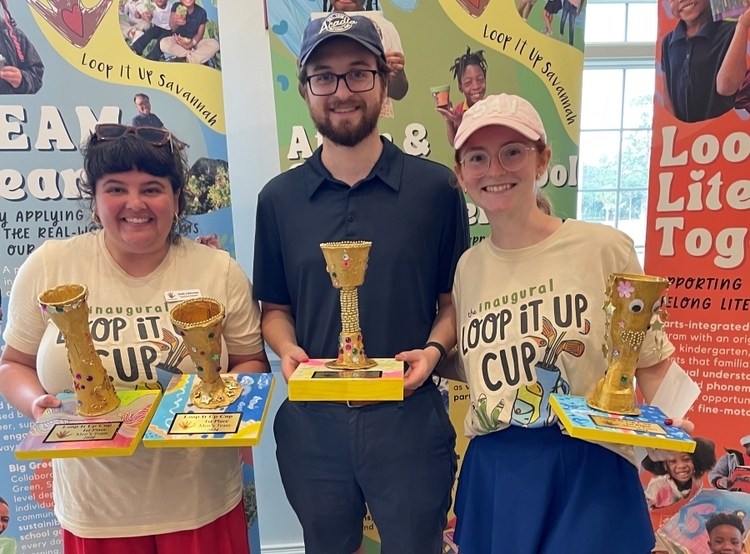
{"x":67,"y":308}
{"x":346,"y":263}
{"x":208,"y":408}
{"x":352,"y":376}
{"x":633,"y":306}
{"x":95,"y":420}
{"x":199,"y":322}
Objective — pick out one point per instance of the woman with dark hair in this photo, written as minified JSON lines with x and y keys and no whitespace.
{"x":157,"y":501}
{"x":21,"y":68}
{"x":680,"y":476}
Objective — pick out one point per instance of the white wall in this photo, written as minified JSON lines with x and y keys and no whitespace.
{"x":253,"y":160}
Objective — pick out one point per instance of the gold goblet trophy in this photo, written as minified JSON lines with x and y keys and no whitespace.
{"x":346,"y":263}
{"x":67,"y":308}
{"x":199,"y":322}
{"x":632,"y":302}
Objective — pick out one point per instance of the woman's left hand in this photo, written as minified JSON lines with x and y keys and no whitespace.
{"x":421,"y":363}
{"x":661,"y":455}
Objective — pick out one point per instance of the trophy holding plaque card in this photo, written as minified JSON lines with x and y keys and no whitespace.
{"x":96,"y":420}
{"x":208,"y":408}
{"x":352,"y":376}
{"x":633,"y":306}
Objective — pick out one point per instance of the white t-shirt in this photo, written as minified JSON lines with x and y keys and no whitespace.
{"x":131,"y":8}
{"x":153,"y":491}
{"x":530,"y":323}
{"x":160,"y":16}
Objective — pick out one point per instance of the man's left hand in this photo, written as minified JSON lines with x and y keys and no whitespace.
{"x":395,"y":61}
{"x":12,"y":75}
{"x":421,"y":363}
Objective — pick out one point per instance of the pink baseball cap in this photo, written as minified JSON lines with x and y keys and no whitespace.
{"x":507,"y":110}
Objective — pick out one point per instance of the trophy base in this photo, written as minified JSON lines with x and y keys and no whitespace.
{"x":312,"y":382}
{"x":204,"y":397}
{"x":366,"y":364}
{"x":632,"y":410}
{"x":647,"y":429}
{"x":180,"y":423}
{"x":63,"y":433}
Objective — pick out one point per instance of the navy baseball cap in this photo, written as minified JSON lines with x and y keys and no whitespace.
{"x":340,"y":24}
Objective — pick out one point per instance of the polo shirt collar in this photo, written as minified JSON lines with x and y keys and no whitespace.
{"x":387,"y":169}
{"x":680,"y":31}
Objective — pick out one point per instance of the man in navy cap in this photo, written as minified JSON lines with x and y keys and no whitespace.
{"x":335,"y":459}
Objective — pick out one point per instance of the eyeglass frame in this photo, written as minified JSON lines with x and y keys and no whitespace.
{"x":129,"y":129}
{"x":518,"y":144}
{"x":342,"y":77}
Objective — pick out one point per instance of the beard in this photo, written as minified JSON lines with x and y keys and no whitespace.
{"x":347,"y":133}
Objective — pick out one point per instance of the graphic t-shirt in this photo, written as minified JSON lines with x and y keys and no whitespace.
{"x":155,"y":490}
{"x":531,"y":323}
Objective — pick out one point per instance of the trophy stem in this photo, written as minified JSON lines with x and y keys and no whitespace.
{"x":67,"y":308}
{"x":349,"y":310}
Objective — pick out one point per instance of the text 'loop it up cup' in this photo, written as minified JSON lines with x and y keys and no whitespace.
{"x":346,"y":263}
{"x":67,"y":308}
{"x":199,"y":322}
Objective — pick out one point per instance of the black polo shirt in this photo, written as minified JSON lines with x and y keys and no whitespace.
{"x":691,"y":65}
{"x":415,"y":217}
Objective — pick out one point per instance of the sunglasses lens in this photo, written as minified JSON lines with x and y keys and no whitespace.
{"x":108,"y":131}
{"x":153,"y":135}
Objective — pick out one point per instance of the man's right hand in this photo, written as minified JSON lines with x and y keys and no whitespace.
{"x":42,"y":403}
{"x":291,"y":357}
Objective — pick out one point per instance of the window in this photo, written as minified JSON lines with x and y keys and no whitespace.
{"x":616,"y":115}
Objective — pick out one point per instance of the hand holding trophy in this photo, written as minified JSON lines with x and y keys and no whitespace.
{"x":633,"y":306}
{"x":353,"y":378}
{"x":96,"y":420}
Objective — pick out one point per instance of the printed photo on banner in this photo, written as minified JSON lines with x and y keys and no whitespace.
{"x":171,"y":31}
{"x":21,"y":68}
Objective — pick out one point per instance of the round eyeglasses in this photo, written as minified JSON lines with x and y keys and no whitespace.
{"x":511,"y":156}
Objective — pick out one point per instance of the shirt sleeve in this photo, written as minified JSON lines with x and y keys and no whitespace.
{"x":204,"y":18}
{"x":241,"y":329}
{"x":454,"y":240}
{"x":32,"y":68}
{"x":391,"y":38}
{"x":26,"y":323}
{"x":269,"y":274}
{"x":656,"y":346}
{"x":458,"y":358}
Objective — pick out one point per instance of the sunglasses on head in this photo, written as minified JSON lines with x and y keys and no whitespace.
{"x":114,"y":131}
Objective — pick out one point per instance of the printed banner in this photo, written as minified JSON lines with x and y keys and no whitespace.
{"x":455,"y":53}
{"x":699,"y":198}
{"x":66,"y":65}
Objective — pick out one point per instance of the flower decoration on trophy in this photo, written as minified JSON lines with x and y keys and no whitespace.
{"x":634,"y":305}
{"x":199,"y":321}
{"x":96,"y":420}
{"x":355,"y":376}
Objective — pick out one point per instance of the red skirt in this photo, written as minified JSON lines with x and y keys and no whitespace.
{"x":226,"y":535}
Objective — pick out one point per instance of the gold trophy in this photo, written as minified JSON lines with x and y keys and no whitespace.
{"x":632,"y":302}
{"x":67,"y":308}
{"x":199,"y":322}
{"x":346,"y":263}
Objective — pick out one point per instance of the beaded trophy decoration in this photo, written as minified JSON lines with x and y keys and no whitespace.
{"x":346,"y":263}
{"x":634,"y":304}
{"x":67,"y":308}
{"x":199,"y":322}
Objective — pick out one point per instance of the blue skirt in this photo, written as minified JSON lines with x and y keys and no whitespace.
{"x":537,"y":491}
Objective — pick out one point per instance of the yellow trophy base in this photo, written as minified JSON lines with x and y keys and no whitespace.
{"x":620,"y":402}
{"x":313,"y":381}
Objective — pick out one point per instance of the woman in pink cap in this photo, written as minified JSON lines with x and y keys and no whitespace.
{"x":530,"y":323}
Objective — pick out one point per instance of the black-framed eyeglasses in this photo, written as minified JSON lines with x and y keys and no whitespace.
{"x":511,"y":156}
{"x":113,"y":131}
{"x":357,"y":80}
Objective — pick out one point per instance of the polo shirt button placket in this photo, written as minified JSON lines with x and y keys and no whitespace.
{"x":351,"y":217}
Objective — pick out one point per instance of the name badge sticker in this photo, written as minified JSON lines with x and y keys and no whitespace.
{"x":181,"y":295}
